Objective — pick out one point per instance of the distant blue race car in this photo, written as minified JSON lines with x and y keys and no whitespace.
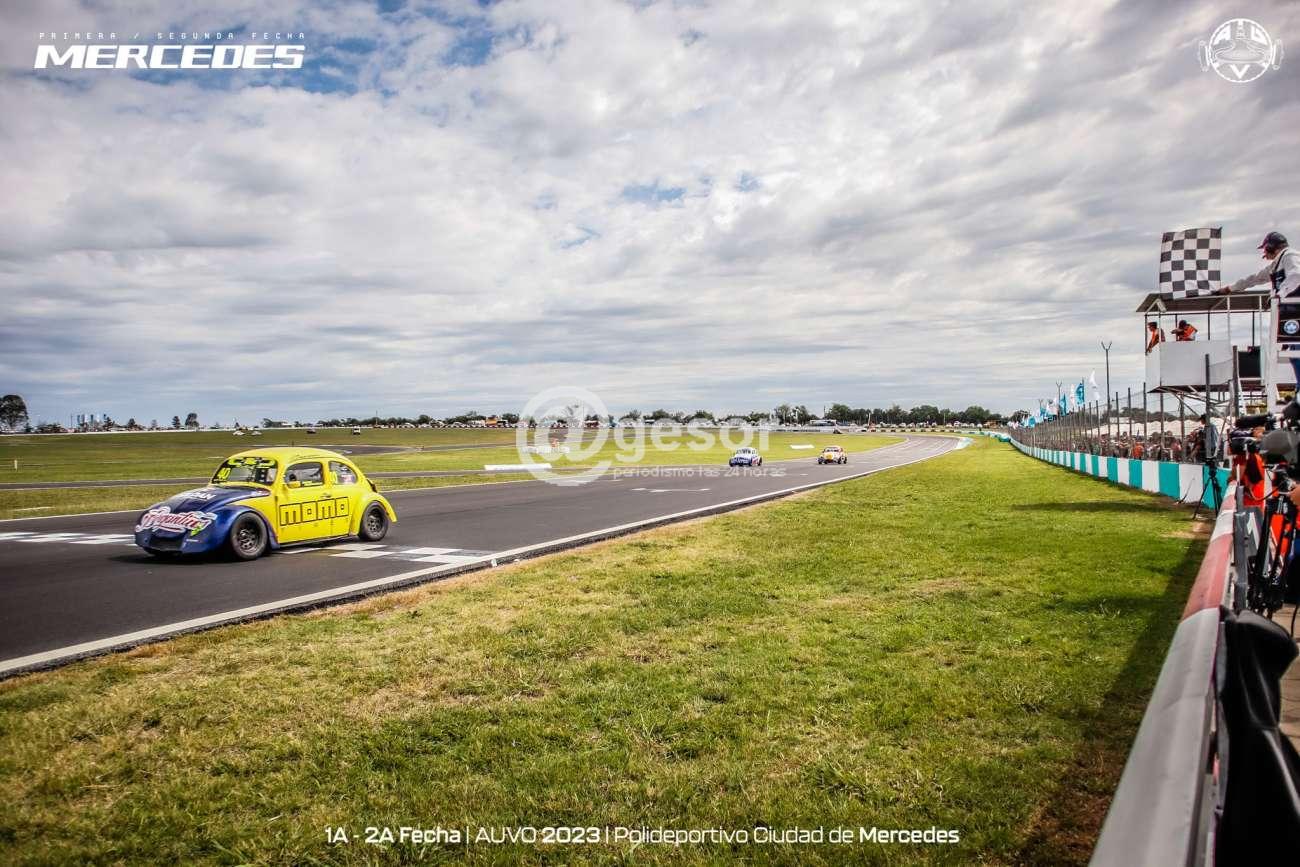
{"x":746,"y":457}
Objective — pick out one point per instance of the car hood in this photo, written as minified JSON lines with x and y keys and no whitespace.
{"x":211,"y":497}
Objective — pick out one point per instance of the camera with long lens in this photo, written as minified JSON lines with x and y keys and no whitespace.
{"x":1242,"y":443}
{"x":1281,"y":441}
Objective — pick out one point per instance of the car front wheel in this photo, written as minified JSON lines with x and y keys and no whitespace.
{"x":248,"y":537}
{"x":374,"y":524}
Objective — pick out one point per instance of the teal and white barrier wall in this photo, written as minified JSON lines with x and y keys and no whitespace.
{"x":1185,"y":482}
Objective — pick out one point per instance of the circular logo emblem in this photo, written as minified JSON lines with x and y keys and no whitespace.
{"x":1240,"y":50}
{"x":569,"y":424}
{"x":1291,"y":327}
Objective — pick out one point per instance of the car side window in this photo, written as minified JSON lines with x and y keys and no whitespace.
{"x":306,"y":474}
{"x":343,"y":473}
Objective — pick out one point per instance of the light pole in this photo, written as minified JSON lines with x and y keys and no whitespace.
{"x":1106,"y":348}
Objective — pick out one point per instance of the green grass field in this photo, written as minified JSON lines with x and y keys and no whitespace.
{"x":967,"y":643}
{"x":90,"y":457}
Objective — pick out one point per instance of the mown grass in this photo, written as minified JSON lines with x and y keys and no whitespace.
{"x":967,"y":643}
{"x":93,"y":457}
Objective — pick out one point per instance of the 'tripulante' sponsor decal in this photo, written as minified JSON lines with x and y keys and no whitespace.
{"x":163,"y":518}
{"x":174,"y":51}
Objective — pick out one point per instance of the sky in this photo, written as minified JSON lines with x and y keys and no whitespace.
{"x":731,"y":205}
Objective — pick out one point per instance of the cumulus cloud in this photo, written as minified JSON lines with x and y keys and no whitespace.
{"x":681,"y":204}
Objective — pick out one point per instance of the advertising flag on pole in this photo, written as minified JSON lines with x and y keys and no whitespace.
{"x":1092,"y":383}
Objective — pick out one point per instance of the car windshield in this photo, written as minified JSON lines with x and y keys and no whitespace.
{"x":248,"y":471}
{"x":745,"y":451}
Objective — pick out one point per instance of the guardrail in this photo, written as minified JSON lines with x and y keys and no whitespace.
{"x":1170,"y":794}
{"x":1173,"y":803}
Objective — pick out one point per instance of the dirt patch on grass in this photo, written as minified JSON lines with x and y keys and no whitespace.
{"x":1195,"y":530}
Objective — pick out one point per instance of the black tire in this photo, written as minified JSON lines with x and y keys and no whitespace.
{"x":374,"y":524}
{"x":248,"y":538}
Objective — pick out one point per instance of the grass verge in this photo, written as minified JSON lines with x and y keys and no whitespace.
{"x":967,"y":643}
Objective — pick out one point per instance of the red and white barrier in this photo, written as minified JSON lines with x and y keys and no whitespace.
{"x":1162,"y":810}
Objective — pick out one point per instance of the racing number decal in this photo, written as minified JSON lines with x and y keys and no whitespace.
{"x":313,"y":510}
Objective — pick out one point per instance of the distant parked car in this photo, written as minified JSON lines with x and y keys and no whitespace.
{"x":746,"y":457}
{"x":254,"y":433}
{"x":311,"y":430}
{"x":265,"y":499}
{"x":239,"y":433}
{"x":356,"y":431}
{"x":832,"y":455}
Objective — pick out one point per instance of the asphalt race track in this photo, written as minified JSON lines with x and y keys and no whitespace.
{"x":75,"y":586}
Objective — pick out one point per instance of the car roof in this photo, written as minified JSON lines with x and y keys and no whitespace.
{"x":290,"y":454}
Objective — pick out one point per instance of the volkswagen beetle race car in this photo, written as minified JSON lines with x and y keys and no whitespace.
{"x":746,"y":457}
{"x":267,"y":499}
{"x":833,"y":455}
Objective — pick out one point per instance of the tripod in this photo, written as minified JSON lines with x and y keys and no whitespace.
{"x":1266,"y":581}
{"x":1216,"y":489}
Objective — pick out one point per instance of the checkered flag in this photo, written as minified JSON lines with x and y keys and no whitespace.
{"x":1189,"y":262}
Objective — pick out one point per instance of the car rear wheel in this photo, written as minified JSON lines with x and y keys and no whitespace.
{"x":248,"y":537}
{"x":374,"y":524}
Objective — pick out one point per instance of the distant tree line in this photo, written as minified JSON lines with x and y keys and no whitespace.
{"x":14,"y":417}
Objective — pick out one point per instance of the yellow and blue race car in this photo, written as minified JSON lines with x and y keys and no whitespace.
{"x":265,"y":499}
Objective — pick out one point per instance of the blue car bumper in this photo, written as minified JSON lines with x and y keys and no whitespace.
{"x":172,"y":539}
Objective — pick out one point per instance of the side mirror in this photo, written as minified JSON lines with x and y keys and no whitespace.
{"x":293,"y":483}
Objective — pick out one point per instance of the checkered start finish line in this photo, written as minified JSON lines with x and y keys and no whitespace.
{"x":1189,"y":262}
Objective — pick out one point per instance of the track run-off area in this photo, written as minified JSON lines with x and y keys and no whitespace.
{"x":76,"y":586}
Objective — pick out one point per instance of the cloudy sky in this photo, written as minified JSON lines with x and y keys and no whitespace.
{"x":730,"y":205}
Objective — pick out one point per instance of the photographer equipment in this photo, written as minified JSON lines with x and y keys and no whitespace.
{"x":1206,"y":445}
{"x":1265,"y":420}
{"x":1274,"y":569}
{"x":1266,"y":580}
{"x":1241,"y":443}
